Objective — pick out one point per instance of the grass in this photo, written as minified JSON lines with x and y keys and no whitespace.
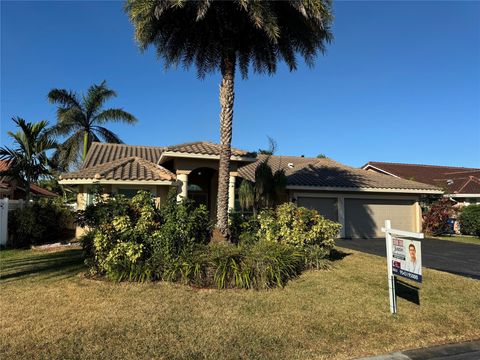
{"x":49,"y":310}
{"x":459,"y":238}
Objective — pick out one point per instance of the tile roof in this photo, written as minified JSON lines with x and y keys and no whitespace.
{"x":100,"y":153}
{"x":3,"y":165}
{"x":37,"y":190}
{"x":203,"y":148}
{"x":128,"y":168}
{"x":452,"y":179}
{"x":5,"y":183}
{"x":316,"y":172}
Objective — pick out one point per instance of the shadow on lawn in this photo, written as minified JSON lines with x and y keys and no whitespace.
{"x":51,"y":265}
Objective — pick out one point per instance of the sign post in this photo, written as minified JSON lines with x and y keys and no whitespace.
{"x":403,"y":259}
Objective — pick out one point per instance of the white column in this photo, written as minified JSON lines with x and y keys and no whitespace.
{"x":341,"y":214}
{"x":183,"y":188}
{"x":418,"y":216}
{"x":231,"y":193}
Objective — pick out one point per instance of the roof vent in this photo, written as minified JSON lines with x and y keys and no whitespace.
{"x":290,"y":165}
{"x":449,"y":182}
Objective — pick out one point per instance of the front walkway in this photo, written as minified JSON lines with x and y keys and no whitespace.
{"x":456,"y":258}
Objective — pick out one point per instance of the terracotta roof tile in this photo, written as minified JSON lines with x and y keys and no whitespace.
{"x":203,"y":148}
{"x":129,"y":168}
{"x":100,"y":153}
{"x":328,"y":173}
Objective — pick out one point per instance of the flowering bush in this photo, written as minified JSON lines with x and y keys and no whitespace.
{"x":297,"y":226}
{"x":435,"y":221}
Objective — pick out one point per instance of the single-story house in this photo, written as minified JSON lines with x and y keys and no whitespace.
{"x":460,"y":184}
{"x":358,"y":199}
{"x":9,"y":187}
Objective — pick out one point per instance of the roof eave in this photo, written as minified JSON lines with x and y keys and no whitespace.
{"x":365,"y":189}
{"x":177,"y":154}
{"x":116,"y":182}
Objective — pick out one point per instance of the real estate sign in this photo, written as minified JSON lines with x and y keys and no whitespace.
{"x":407,"y":258}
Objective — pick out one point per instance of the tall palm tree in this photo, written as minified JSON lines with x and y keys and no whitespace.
{"x":81,"y":120}
{"x":224,"y":35}
{"x":28,"y":160}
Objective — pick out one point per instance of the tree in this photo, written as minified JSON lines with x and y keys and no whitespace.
{"x":28,"y":160}
{"x":224,"y":35}
{"x":321,"y":156}
{"x":81,"y":120}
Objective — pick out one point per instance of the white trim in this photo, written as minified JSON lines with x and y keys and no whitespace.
{"x":462,"y":195}
{"x":355,"y":196}
{"x":364,"y":189}
{"x":167,"y":154}
{"x":380,"y":170}
{"x":125,"y":182}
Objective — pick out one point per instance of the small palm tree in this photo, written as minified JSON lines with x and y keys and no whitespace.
{"x":28,"y":160}
{"x":224,"y":35}
{"x":81,"y":120}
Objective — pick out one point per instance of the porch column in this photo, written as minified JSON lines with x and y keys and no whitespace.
{"x":182,"y":178}
{"x":418,"y":216}
{"x":231,"y":192}
{"x":341,"y":214}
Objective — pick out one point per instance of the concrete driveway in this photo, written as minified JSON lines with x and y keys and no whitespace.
{"x":456,"y":258}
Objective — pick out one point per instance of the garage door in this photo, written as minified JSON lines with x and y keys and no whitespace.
{"x":364,"y":218}
{"x":325,"y":206}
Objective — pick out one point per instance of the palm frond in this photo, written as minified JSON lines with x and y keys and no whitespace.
{"x":96,"y":96}
{"x":115,"y":115}
{"x":107,"y":135}
{"x":65,"y":98}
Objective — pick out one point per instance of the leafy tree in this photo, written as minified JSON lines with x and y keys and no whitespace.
{"x":226,"y":35}
{"x":28,"y":160}
{"x":81,"y":119}
{"x":321,"y":156}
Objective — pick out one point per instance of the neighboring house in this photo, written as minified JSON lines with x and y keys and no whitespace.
{"x":460,"y":184}
{"x":9,"y":187}
{"x":360,"y":200}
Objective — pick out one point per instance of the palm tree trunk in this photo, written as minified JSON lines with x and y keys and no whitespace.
{"x":85,"y":144}
{"x":227,"y":95}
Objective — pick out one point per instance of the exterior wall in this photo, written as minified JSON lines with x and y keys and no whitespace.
{"x":341,"y":196}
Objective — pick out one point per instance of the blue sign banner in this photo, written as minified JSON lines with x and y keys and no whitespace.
{"x":407,"y":274}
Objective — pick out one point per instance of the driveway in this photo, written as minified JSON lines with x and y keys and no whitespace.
{"x":456,"y":258}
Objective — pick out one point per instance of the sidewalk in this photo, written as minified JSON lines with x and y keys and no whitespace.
{"x":462,"y":351}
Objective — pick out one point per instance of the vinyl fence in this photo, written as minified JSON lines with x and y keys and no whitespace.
{"x":7,"y":205}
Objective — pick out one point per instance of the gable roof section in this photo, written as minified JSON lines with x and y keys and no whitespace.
{"x":329,"y":174}
{"x":452,"y":179}
{"x":125,"y":169}
{"x":101,"y":153}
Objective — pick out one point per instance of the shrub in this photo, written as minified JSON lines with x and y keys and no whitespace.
{"x":42,"y":222}
{"x":128,"y":236}
{"x":435,"y":221}
{"x":297,"y":226}
{"x":469,"y":220}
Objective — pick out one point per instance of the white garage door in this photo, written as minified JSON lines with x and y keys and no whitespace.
{"x":327,"y":207}
{"x":364,"y":218}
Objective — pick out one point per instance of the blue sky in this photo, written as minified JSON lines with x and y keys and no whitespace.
{"x":400,"y":82}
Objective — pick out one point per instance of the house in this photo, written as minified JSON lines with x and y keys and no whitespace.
{"x":9,"y":187}
{"x":460,"y":184}
{"x":358,"y":199}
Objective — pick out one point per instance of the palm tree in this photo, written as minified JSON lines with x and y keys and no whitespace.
{"x":28,"y":160}
{"x":224,"y":35}
{"x":81,"y":120}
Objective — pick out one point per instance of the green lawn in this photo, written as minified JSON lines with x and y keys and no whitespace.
{"x":50,"y":311}
{"x":459,"y":238}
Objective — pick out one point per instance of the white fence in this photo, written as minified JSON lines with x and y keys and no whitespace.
{"x":7,"y":205}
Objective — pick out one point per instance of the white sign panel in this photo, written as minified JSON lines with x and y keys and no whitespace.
{"x":407,"y":258}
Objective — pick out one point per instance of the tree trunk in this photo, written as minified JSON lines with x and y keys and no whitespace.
{"x":85,"y":144}
{"x":227,"y":95}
